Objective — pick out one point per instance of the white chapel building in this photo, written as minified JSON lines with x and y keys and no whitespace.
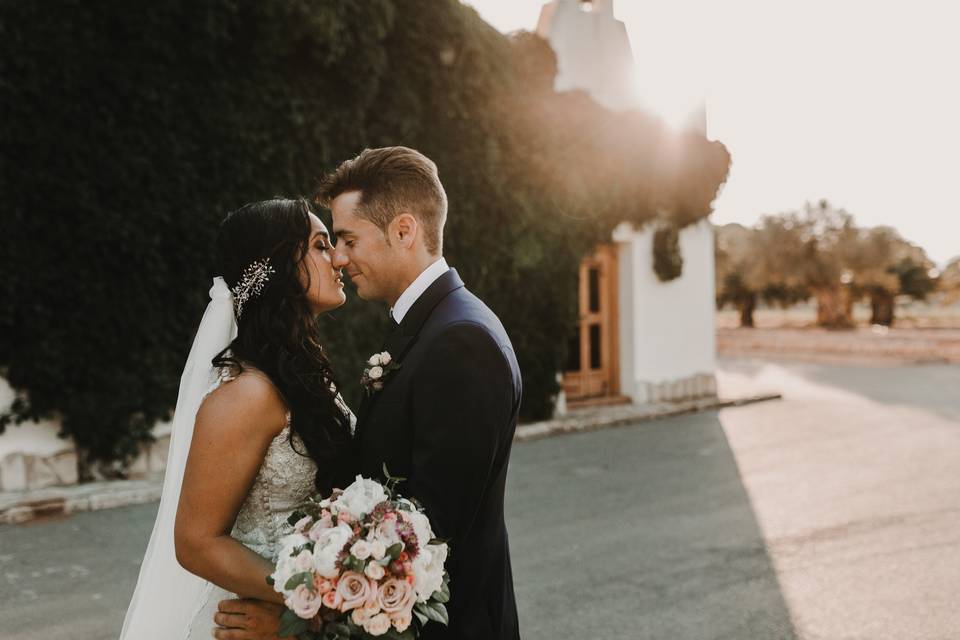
{"x":639,"y":339}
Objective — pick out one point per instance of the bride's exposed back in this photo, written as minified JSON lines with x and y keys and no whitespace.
{"x":258,"y":427}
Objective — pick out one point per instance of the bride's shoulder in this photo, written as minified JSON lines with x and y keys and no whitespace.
{"x":247,"y":400}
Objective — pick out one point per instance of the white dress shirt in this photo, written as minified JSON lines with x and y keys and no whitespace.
{"x":426,"y":278}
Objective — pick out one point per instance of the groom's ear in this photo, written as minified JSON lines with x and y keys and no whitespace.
{"x":405,"y":229}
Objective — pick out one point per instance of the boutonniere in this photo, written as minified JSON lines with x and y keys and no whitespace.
{"x":379,"y":367}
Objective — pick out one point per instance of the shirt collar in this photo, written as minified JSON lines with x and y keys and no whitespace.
{"x":416,"y":289}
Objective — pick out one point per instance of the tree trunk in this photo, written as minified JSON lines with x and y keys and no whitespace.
{"x":882,"y":308}
{"x":834,"y":308}
{"x":746,"y":305}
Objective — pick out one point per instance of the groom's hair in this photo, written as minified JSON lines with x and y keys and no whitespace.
{"x":392,"y":180}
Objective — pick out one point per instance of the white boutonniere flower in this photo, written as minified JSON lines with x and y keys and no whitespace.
{"x":379,"y":367}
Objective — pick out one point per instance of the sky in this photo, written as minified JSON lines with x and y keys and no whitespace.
{"x":854,"y":101}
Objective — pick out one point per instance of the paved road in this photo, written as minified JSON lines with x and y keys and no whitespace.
{"x":833,"y":514}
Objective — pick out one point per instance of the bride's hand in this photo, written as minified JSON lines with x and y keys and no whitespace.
{"x":247,"y":620}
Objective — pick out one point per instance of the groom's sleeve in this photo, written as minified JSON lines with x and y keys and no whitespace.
{"x":462,"y":402}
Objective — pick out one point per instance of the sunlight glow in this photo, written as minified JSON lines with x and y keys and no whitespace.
{"x":850,"y":101}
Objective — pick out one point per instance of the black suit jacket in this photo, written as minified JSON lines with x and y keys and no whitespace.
{"x":445,"y":421}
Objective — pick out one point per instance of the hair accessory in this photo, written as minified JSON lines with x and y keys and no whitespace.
{"x":255,"y":278}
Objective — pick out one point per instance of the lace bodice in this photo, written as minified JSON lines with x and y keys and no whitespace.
{"x":283,"y":482}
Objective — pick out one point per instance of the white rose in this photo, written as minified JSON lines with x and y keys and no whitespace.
{"x":303,"y":562}
{"x":360,"y":497}
{"x":375,"y":373}
{"x":375,"y":360}
{"x":385,"y":358}
{"x":360,"y":550}
{"x":428,"y":570}
{"x":287,"y":565}
{"x":374,"y":571}
{"x":290,"y":542}
{"x":328,"y":546}
{"x":377,"y":549}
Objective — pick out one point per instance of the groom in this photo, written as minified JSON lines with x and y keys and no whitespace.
{"x":445,"y":419}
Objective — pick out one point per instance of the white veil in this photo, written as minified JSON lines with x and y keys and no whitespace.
{"x":167,"y":596}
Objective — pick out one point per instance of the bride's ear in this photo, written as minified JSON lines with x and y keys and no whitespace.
{"x":405,"y":229}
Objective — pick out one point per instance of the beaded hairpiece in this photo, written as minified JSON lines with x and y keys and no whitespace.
{"x":255,"y":278}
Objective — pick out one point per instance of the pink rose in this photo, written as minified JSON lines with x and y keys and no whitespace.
{"x":332,"y":600}
{"x":377,"y":625}
{"x":396,"y":596}
{"x":321,"y":585}
{"x":303,"y":602}
{"x":355,"y":590}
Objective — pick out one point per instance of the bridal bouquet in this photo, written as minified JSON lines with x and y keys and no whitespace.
{"x":361,"y":563}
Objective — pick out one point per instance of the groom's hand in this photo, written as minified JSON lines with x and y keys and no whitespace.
{"x":247,"y":620}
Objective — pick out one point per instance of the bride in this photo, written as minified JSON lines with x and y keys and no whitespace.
{"x":257,"y":429}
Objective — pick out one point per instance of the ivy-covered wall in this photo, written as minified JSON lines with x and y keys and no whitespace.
{"x":130,"y":129}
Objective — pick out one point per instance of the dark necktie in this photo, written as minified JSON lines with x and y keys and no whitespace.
{"x":392,"y":328}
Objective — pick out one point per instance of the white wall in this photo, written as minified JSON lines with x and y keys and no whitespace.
{"x":593,"y":51}
{"x":667,"y":329}
{"x":33,"y":456}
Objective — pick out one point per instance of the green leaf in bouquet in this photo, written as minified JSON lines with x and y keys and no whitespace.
{"x":431,"y":611}
{"x":270,"y":580}
{"x":352,"y":563}
{"x":437,"y":612}
{"x":394,"y":550}
{"x":392,"y":481}
{"x":291,"y":624}
{"x":441,"y":595}
{"x":336,"y":631}
{"x":305,"y":578}
{"x":421,"y":616}
{"x":296,"y":517}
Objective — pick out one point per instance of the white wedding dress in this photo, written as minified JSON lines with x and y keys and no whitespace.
{"x":169,"y":603}
{"x":285,"y":480}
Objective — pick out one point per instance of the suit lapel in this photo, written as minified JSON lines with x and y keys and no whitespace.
{"x":401,"y":340}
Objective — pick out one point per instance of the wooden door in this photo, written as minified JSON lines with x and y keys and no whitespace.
{"x":592,"y":365}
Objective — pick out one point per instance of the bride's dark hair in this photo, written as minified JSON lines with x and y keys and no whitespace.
{"x":278,"y":333}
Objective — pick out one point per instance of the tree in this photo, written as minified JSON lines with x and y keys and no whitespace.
{"x":949,"y":281}
{"x":883,"y":266}
{"x":759,"y":264}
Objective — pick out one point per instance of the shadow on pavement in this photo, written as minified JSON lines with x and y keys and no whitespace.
{"x":640,"y":533}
